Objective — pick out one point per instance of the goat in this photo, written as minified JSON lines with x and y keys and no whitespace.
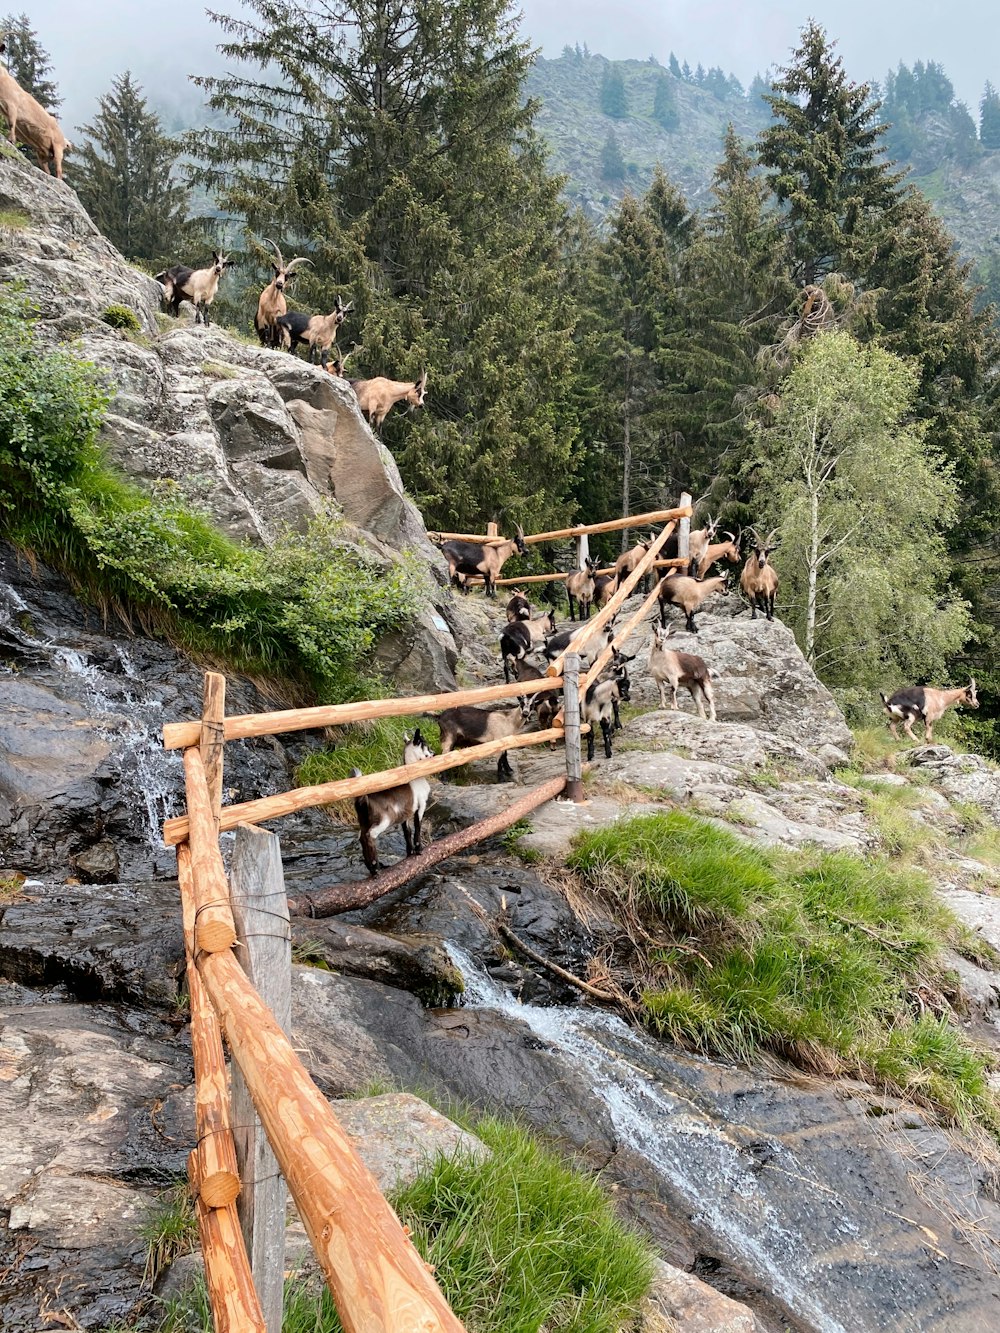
{"x":467,"y":725}
{"x":271,"y":306}
{"x":759,"y":581}
{"x":929,"y":705}
{"x":318,"y":332}
{"x":628,"y":560}
{"x":376,"y":397}
{"x":600,"y":706}
{"x":471,"y":558}
{"x":380,"y":810}
{"x":28,"y":121}
{"x":688,"y":594}
{"x":580,"y":585}
{"x":546,"y":704}
{"x":698,"y":543}
{"x":518,"y":608}
{"x":604,"y":589}
{"x":668,"y":667}
{"x":197,"y":285}
{"x":520,"y":636}
{"x":727,"y":550}
{"x":594,"y":643}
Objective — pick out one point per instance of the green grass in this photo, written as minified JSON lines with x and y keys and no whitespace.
{"x":122,"y":317}
{"x":511,"y":843}
{"x":520,"y":1242}
{"x":370,"y":746}
{"x":816,"y":956}
{"x":13,"y":219}
{"x":170,"y":1231}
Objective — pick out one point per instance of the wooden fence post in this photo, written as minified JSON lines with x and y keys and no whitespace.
{"x":582,"y":551}
{"x":260,"y":911}
{"x":492,"y":530}
{"x":213,"y":737}
{"x":571,"y":723}
{"x":684,"y":532}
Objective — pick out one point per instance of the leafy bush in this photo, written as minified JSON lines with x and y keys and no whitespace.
{"x":820,"y":956}
{"x":307,"y":610}
{"x":121,"y":317}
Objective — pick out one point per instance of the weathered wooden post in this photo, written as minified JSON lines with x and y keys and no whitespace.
{"x":492,"y":530}
{"x":582,"y":550}
{"x":684,"y":532}
{"x":260,"y":911}
{"x":212,"y":743}
{"x":571,"y":723}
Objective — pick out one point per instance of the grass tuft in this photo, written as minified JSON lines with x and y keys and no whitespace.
{"x":170,"y":1231}
{"x":819,"y":956}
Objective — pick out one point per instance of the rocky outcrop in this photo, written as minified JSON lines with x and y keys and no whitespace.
{"x":260,"y":440}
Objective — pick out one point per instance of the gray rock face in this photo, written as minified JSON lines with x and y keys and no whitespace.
{"x":260,"y":439}
{"x":961,"y":777}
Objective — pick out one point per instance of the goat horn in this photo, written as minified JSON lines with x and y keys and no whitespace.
{"x":727,"y":533}
{"x":299,"y":259}
{"x":281,"y":262}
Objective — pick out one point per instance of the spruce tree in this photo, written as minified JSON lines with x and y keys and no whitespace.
{"x":989,"y":118}
{"x":674,"y":66}
{"x":614,"y":98}
{"x":124,"y":176}
{"x":825,"y":158}
{"x":28,"y":61}
{"x":665,"y":103}
{"x":612,"y":162}
{"x":394,"y":145}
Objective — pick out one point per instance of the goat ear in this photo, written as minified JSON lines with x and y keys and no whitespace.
{"x":406,"y":738}
{"x":417,"y":738}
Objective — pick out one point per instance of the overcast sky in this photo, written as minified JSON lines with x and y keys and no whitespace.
{"x":162,"y":41}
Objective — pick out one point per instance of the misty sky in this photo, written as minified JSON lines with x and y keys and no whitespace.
{"x":89,"y":44}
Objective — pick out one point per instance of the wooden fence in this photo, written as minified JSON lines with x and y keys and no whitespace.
{"x":375,"y":1275}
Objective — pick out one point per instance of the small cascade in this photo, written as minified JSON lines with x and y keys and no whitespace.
{"x":692,"y":1152}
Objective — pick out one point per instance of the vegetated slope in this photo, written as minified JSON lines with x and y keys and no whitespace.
{"x":963,"y":186}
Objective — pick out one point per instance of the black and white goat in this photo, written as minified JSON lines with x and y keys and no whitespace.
{"x":927,"y":705}
{"x":599,"y":706}
{"x":382,"y":810}
{"x":520,"y":636}
{"x":197,"y":285}
{"x":518,"y":608}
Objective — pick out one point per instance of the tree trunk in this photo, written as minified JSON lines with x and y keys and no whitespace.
{"x":813,"y":569}
{"x":626,"y":451}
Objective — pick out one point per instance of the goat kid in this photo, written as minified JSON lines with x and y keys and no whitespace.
{"x":580,"y":586}
{"x":271,"y":306}
{"x":471,"y":558}
{"x":376,"y":397}
{"x":545,"y":704}
{"x":197,"y":285}
{"x":600,"y":706}
{"x":628,"y":560}
{"x":318,"y":332}
{"x":518,"y":608}
{"x":759,"y":580}
{"x":669,"y":667}
{"x":688,"y":594}
{"x":466,"y":726}
{"x":381,"y":810}
{"x":28,"y":121}
{"x":926,"y":704}
{"x":520,"y":636}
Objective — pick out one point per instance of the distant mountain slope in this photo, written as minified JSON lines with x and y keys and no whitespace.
{"x":961,"y":178}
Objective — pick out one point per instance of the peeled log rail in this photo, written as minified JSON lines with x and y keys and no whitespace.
{"x":375,"y":1274}
{"x":231,"y":1292}
{"x":180,"y":735}
{"x":551,"y":578}
{"x":605,"y":655}
{"x":218,"y":1173}
{"x":213,"y":736}
{"x":614,"y":606}
{"x":584,"y":529}
{"x":214,"y":929}
{"x":303,"y":798}
{"x":346,"y":897}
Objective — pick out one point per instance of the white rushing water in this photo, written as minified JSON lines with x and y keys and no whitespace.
{"x":687,"y":1148}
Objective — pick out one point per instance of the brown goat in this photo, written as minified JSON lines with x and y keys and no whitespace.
{"x":759,"y":580}
{"x":580,"y":586}
{"x":28,"y":121}
{"x":380,"y":810}
{"x":928,"y":705}
{"x":518,"y":608}
{"x":271,"y":306}
{"x":318,"y":332}
{"x":377,"y":397}
{"x":727,"y":550}
{"x":688,"y":594}
{"x":197,"y":285}
{"x":604,"y":589}
{"x":669,"y":667}
{"x":628,"y":560}
{"x":466,"y":726}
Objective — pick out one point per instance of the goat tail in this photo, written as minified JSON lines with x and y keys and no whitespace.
{"x":885,"y":701}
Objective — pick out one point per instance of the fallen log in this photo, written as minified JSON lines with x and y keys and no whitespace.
{"x":346,"y":897}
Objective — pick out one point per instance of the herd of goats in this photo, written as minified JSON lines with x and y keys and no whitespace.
{"x":525,"y":633}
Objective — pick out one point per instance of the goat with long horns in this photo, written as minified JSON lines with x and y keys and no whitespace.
{"x":271,"y":305}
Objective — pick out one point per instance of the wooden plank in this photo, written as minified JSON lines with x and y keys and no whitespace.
{"x":346,"y":897}
{"x":616,"y":603}
{"x":375,"y":1274}
{"x":213,"y":928}
{"x":180,"y":735}
{"x":303,"y":798}
{"x":231,"y":1293}
{"x":213,"y":736}
{"x":571,"y":722}
{"x":219,"y":1172}
{"x":260,"y":910}
{"x":605,"y":655}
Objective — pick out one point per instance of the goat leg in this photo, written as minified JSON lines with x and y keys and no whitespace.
{"x":369,"y":853}
{"x":617,"y":715}
{"x":606,"y":732}
{"x":407,"y":837}
{"x":690,"y":626}
{"x":590,"y":744}
{"x":417,"y":845}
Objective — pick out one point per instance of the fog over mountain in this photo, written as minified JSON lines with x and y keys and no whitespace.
{"x":162,"y":41}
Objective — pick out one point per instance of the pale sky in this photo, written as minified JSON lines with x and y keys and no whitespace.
{"x":162,"y":41}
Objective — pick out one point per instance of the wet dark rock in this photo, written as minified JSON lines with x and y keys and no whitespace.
{"x":98,"y":864}
{"x":418,"y":964}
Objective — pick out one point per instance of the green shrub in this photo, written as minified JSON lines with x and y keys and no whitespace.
{"x":307,"y":611}
{"x":121,"y":317}
{"x":816,"y":955}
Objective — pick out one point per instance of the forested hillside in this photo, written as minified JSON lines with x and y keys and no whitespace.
{"x":777,"y":320}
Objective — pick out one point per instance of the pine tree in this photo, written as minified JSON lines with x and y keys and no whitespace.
{"x":124,"y":177}
{"x":989,"y":118}
{"x":28,"y":61}
{"x":396,"y":148}
{"x":674,"y":66}
{"x":612,"y":162}
{"x":665,"y":103}
{"x":614,"y":98}
{"x":825,"y":158}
